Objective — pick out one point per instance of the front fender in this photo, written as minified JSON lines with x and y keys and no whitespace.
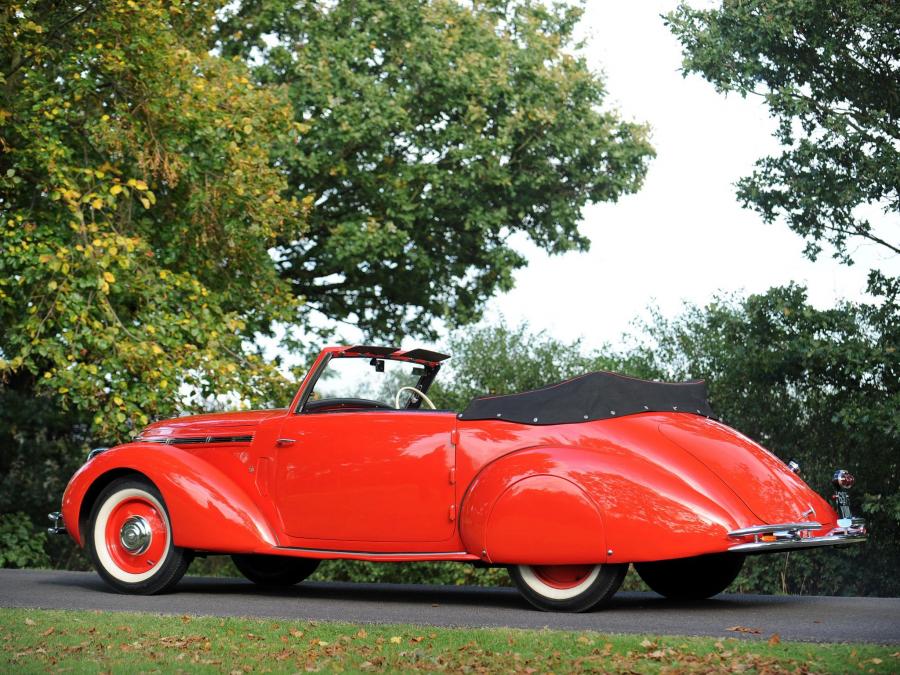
{"x":207,"y":509}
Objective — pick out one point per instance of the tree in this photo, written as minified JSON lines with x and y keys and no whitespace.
{"x":827,"y":69}
{"x":138,"y":201}
{"x":434,"y":130}
{"x":818,"y":386}
{"x":138,"y":204}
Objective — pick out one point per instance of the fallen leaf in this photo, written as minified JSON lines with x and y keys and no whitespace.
{"x":296,"y":633}
{"x":744,"y":629}
{"x":361,"y":633}
{"x":322,"y":643}
{"x":875,"y":660}
{"x":29,"y":622}
{"x":775,"y":639}
{"x":396,"y":640}
{"x":49,"y":631}
{"x":646,"y":644}
{"x":185,"y":618}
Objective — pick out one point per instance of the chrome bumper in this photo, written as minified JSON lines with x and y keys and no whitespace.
{"x":795,"y":536}
{"x":58,"y":527}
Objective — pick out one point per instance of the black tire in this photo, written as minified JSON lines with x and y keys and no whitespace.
{"x":691,"y":578}
{"x":274,"y":571}
{"x":589,"y":590}
{"x":158,"y":567}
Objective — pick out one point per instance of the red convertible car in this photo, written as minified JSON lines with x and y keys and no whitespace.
{"x":565,"y":486}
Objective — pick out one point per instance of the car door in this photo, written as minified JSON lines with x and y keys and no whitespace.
{"x":366,"y":476}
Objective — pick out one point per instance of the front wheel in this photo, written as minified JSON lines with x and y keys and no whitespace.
{"x":129,"y":539}
{"x":274,"y":570}
{"x":695,"y":578}
{"x":567,"y":588}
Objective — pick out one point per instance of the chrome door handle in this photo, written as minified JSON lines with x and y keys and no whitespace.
{"x":281,"y":442}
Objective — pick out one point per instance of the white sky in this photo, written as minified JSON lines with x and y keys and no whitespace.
{"x":683,"y":237}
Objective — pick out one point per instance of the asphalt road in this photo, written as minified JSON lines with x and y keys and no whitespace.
{"x":817,"y":619}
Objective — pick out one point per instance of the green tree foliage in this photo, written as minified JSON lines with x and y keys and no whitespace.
{"x":138,"y":201}
{"x":433,"y":131}
{"x":20,"y":545}
{"x":818,"y":386}
{"x":827,"y":69}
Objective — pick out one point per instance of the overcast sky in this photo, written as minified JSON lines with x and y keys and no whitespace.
{"x":683,"y":237}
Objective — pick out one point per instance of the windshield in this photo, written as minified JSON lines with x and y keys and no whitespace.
{"x":366,"y":378}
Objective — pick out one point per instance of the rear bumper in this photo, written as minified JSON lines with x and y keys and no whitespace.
{"x":796,"y":536}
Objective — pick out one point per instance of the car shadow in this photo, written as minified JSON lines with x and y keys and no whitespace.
{"x":417,"y":594}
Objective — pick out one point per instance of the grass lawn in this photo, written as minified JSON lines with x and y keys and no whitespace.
{"x":55,"y":641}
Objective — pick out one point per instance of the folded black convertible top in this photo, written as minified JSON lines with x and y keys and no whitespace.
{"x":595,"y":396}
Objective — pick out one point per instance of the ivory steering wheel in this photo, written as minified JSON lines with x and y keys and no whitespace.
{"x":417,"y":392}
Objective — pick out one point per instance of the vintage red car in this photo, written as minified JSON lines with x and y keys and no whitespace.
{"x":566,"y":486}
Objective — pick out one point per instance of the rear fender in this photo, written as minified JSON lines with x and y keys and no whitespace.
{"x":523,"y":508}
{"x":207,"y":509}
{"x":611,"y":504}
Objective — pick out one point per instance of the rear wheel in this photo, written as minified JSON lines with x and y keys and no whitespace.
{"x":129,"y":539}
{"x":691,"y":578}
{"x":567,"y":588}
{"x":274,"y":570}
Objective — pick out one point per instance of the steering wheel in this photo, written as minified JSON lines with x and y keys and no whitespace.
{"x":417,"y":392}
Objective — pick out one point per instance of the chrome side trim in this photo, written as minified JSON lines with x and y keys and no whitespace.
{"x":371,"y":553}
{"x":194,"y":440}
{"x":778,"y":527}
{"x":794,"y":544}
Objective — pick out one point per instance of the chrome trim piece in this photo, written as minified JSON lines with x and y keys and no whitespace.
{"x":194,"y":440}
{"x":94,"y":452}
{"x":772,"y":529}
{"x":59,"y":526}
{"x":792,"y":544}
{"x":369,"y":553}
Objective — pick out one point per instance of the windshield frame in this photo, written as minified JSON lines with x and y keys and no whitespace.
{"x":424,"y":382}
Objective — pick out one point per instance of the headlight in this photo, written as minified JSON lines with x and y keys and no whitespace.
{"x":843,"y":479}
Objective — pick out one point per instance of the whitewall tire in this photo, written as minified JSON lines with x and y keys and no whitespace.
{"x":129,"y":539}
{"x":568,"y":588}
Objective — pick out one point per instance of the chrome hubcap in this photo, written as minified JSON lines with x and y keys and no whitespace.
{"x":135,"y":535}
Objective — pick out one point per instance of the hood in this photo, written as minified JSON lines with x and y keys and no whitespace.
{"x":773,"y":492}
{"x":231,"y":424}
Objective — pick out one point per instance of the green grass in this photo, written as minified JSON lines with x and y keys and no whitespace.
{"x":42,"y":641}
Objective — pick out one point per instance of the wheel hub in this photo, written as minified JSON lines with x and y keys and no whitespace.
{"x":135,"y":535}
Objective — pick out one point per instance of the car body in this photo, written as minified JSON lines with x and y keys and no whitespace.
{"x":566,"y":485}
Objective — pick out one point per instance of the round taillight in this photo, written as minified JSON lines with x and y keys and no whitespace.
{"x":843,"y":479}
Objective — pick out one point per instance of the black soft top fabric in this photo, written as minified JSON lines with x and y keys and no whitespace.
{"x":595,"y":396}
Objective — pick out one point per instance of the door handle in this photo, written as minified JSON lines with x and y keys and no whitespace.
{"x":281,"y":442}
